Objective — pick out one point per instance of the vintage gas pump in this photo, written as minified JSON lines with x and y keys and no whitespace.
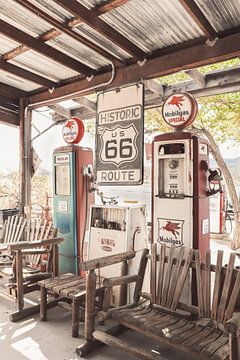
{"x":71,"y":198}
{"x":180,"y":201}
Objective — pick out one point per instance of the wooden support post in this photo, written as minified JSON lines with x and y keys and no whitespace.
{"x":19,"y":275}
{"x":141,"y":272}
{"x":43,"y":304}
{"x":90,"y":302}
{"x":75,"y":319}
{"x":123,"y":289}
{"x":234,"y":347}
{"x":25,"y":117}
{"x":55,"y":260}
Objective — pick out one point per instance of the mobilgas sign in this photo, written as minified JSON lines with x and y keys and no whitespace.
{"x":119,"y":136}
{"x":179,"y":110}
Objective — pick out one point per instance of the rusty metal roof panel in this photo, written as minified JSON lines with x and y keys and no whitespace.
{"x":94,"y":36}
{"x":153,"y":24}
{"x":42,"y":65}
{"x":20,"y":17}
{"x":80,"y":52}
{"x":222,"y":15}
{"x":7,"y":44}
{"x":17,"y":82}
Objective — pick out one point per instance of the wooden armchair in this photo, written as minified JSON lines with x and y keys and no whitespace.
{"x":29,"y":253}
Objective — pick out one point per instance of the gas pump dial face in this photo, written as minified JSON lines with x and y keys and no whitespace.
{"x":173,"y":164}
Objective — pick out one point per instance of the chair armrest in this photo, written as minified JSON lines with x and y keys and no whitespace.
{"x":120,"y":280}
{"x":33,"y":244}
{"x":106,"y":261}
{"x":232,"y":326}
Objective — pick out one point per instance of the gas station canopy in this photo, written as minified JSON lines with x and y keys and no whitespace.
{"x":53,"y":50}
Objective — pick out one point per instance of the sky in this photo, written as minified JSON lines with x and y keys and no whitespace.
{"x":46,"y":143}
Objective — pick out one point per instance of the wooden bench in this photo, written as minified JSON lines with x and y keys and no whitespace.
{"x":207,"y":327}
{"x":24,"y":244}
{"x":72,"y":288}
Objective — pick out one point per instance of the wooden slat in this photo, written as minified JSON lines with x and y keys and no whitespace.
{"x":182,"y":279}
{"x":199,"y":284}
{"x":167,"y":275}
{"x":43,"y":230}
{"x":153,"y":272}
{"x":7,"y":228}
{"x":217,"y":284}
{"x":175,"y":274}
{"x":207,"y":285}
{"x":233,"y":298}
{"x":161,"y":273}
{"x":202,"y":343}
{"x":198,"y":337}
{"x":226,"y":288}
{"x":222,"y":353}
{"x":210,"y":349}
{"x":178,"y":335}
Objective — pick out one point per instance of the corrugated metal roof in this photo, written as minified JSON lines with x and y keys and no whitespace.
{"x":16,"y":15}
{"x":222,"y":15}
{"x":44,"y":66}
{"x":150,"y":25}
{"x":153,"y":24}
{"x":17,"y":82}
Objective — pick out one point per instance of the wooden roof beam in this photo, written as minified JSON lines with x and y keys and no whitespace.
{"x":18,"y":71}
{"x":11,"y":92}
{"x":9,"y":118}
{"x":108,"y":5}
{"x":61,"y":110}
{"x":42,"y":48}
{"x":197,"y":76}
{"x":86,"y":103}
{"x":155,"y":87}
{"x":92,"y":20}
{"x":200,"y":19}
{"x":71,"y":23}
{"x":191,"y":57}
{"x":63,"y":28}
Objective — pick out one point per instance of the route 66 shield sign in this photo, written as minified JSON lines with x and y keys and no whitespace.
{"x":119,"y":136}
{"x":118,"y":145}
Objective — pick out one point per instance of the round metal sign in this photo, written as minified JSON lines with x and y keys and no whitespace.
{"x":73,"y":130}
{"x":179,"y":110}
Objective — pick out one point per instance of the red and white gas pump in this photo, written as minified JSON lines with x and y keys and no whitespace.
{"x":180,"y":202}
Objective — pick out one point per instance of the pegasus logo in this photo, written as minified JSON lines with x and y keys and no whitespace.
{"x":172,"y":227}
{"x":177,"y":100}
{"x":69,"y":125}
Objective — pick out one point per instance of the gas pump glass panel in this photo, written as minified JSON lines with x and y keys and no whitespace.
{"x":171,"y":170}
{"x":62,"y":177}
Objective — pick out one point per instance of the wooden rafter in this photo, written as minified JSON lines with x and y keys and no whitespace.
{"x":63,"y":28}
{"x":11,"y":92}
{"x":71,"y":23}
{"x":92,"y":20}
{"x":195,"y":56}
{"x":86,"y":103}
{"x":9,"y":118}
{"x":197,"y":76}
{"x":42,"y":48}
{"x":108,"y":5}
{"x":16,"y":70}
{"x":197,"y":15}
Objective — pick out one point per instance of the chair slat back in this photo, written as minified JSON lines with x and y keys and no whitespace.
{"x":13,"y":229}
{"x":39,"y":229}
{"x":170,"y":269}
{"x":173,"y":270}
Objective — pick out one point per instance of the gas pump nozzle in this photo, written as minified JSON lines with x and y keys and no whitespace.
{"x":214,"y":178}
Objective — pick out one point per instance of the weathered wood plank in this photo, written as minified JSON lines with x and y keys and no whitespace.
{"x":226,"y":288}
{"x":217,"y":284}
{"x":167,"y":275}
{"x":199,"y":284}
{"x":161,"y":273}
{"x":153,"y":272}
{"x":207,"y":285}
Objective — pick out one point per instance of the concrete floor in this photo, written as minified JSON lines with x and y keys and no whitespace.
{"x":51,"y":340}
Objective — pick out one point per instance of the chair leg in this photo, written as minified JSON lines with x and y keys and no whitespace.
{"x":43,"y":304}
{"x":75,"y":319}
